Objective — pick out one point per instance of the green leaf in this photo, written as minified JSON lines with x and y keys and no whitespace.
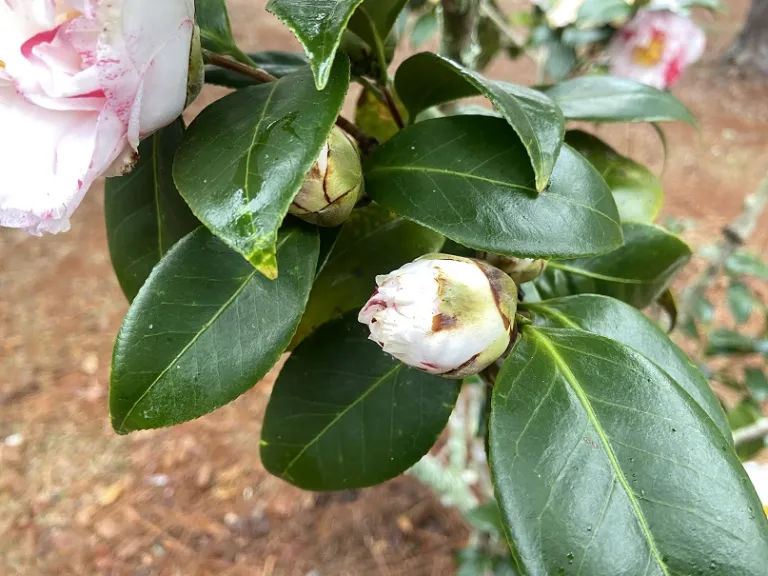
{"x":757,"y":383}
{"x":215,"y":29}
{"x":637,"y":191}
{"x":488,"y":42}
{"x":601,"y":12}
{"x":612,"y":319}
{"x":740,"y":301}
{"x":344,"y":414}
{"x":205,"y":328}
{"x":426,"y":79}
{"x":382,"y":14}
{"x":274,"y":62}
{"x":724,"y":342}
{"x":144,"y":212}
{"x":602,"y":462}
{"x":561,"y":59}
{"x":637,"y":273}
{"x":746,"y":263}
{"x":746,"y":413}
{"x":486,"y":518}
{"x":703,"y":310}
{"x":374,"y":118}
{"x":318,"y":25}
{"x":424,"y":29}
{"x":668,"y":303}
{"x":612,"y":99}
{"x":245,"y":156}
{"x":469,"y":178}
{"x":372,"y":241}
{"x":574,"y":36}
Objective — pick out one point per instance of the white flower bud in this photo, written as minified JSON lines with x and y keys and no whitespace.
{"x":521,"y":270}
{"x":443,"y":314}
{"x":333,"y":185}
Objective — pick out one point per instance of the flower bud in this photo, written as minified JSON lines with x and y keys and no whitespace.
{"x":442,"y":314}
{"x":333,"y":185}
{"x":521,"y":270}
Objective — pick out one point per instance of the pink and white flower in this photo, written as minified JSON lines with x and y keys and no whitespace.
{"x":81,"y":82}
{"x":655,"y":47}
{"x":443,"y":314}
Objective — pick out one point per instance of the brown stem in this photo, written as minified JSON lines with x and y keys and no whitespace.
{"x":392,"y":105}
{"x":367,"y":143}
{"x":224,"y":62}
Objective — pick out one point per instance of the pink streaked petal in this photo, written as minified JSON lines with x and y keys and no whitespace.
{"x":46,"y":173}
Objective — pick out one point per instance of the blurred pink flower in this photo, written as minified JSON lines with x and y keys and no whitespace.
{"x":81,"y":82}
{"x":655,"y":47}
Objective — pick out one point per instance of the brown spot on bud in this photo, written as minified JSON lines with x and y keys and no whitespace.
{"x":443,"y":322}
{"x":496,"y":281}
{"x":464,"y":366}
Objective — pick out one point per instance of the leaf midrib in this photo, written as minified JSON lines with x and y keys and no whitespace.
{"x":573,"y":382}
{"x":467,"y":175}
{"x":196,"y":337}
{"x":597,"y":276}
{"x":339,"y":416}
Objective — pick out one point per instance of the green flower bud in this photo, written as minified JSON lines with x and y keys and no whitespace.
{"x":196,"y":76}
{"x":333,"y":185}
{"x":521,"y":270}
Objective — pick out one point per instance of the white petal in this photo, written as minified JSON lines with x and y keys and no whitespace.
{"x":47,"y":162}
{"x":143,"y":60}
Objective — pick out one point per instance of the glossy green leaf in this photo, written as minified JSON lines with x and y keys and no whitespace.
{"x":205,"y":328}
{"x":145,"y":214}
{"x":274,"y":62}
{"x":612,"y":99}
{"x":426,"y":79}
{"x":724,"y":342}
{"x":245,"y":156}
{"x":637,"y":191}
{"x":603,"y":464}
{"x":746,"y":263}
{"x":318,"y":25}
{"x":372,"y":241}
{"x":740,"y":301}
{"x":756,"y":382}
{"x":382,"y":14}
{"x":637,"y":273}
{"x":618,"y":321}
{"x":215,"y":29}
{"x":344,"y":414}
{"x":469,"y":178}
{"x":424,"y":29}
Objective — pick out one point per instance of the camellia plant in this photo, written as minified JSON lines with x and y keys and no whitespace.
{"x":392,"y":257}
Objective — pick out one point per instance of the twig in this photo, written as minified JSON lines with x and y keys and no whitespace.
{"x":392,"y":105}
{"x":753,"y":432}
{"x":367,"y":143}
{"x":735,"y":235}
{"x":492,"y":13}
{"x":256,"y":73}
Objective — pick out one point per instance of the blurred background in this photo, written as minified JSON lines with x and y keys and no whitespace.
{"x":77,"y":499}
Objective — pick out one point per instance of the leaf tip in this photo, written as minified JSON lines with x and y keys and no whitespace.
{"x":264,"y":263}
